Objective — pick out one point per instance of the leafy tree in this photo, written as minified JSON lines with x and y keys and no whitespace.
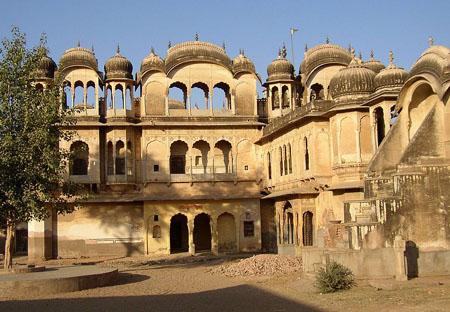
{"x":32,"y":166}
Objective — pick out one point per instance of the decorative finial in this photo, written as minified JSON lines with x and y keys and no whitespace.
{"x":92,"y":49}
{"x":279,"y":53}
{"x":152,"y":50}
{"x":196,"y":36}
{"x":78,"y":44}
{"x":283,"y":51}
{"x":306,"y":47}
{"x":327,"y":41}
{"x":350,"y":48}
{"x":352,"y":51}
{"x":391,"y":57}
{"x":371,"y":54}
{"x":360,"y":55}
{"x":118,"y":49}
{"x":170,"y":44}
{"x":242,"y":52}
{"x":223,"y":46}
{"x":430,"y":41}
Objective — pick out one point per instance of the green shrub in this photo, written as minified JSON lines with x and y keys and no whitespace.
{"x":334,"y":277}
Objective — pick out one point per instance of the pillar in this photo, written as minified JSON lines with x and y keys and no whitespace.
{"x":399,"y":251}
{"x":191,"y":237}
{"x":214,"y":237}
{"x":237,"y":223}
{"x":40,"y":239}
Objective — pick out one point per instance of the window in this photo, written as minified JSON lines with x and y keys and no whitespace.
{"x":269,"y":166}
{"x":305,"y":141}
{"x":246,"y":167}
{"x":156,"y":218}
{"x":249,"y":229}
{"x":80,"y":161}
{"x":155,"y":168}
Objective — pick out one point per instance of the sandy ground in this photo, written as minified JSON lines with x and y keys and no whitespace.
{"x":186,"y":284}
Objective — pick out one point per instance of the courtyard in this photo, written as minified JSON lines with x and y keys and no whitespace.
{"x":185,"y":283}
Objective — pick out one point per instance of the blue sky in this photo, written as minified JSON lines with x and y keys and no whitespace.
{"x":258,"y":27}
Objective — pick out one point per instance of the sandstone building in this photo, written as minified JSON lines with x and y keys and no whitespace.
{"x":345,"y":159}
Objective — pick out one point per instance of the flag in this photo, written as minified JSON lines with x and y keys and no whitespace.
{"x":293,"y":30}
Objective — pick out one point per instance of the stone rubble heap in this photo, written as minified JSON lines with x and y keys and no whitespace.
{"x":260,"y":265}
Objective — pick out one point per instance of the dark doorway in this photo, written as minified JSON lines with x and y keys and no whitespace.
{"x":179,"y":235}
{"x":202,"y":233}
{"x":411,"y":256}
{"x":308,"y":229}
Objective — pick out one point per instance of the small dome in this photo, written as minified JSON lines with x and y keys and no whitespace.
{"x":322,"y":55}
{"x":353,"y":82}
{"x":80,"y":57}
{"x":434,"y":60}
{"x":390,"y":77}
{"x":280,"y":68}
{"x":118,"y":67}
{"x":152,"y":62}
{"x":373,"y":64}
{"x":242,"y":64}
{"x":46,"y":68}
{"x":196,"y":51}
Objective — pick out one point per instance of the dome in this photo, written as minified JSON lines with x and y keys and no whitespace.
{"x":46,"y":68}
{"x":280,"y":68}
{"x":353,"y":82}
{"x":435,"y":60}
{"x":152,"y":62}
{"x":118,"y":67}
{"x":373,"y":64}
{"x":322,"y":55}
{"x":390,"y":77}
{"x":78,"y":56}
{"x":196,"y":51}
{"x":242,"y":64}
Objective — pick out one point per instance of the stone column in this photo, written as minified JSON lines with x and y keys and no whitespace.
{"x":233,"y":105}
{"x":210,"y":103}
{"x":399,"y":251}
{"x":214,"y":237}
{"x":191,"y":237}
{"x":237,"y":221}
{"x":40,"y":240}
{"x":280,"y":99}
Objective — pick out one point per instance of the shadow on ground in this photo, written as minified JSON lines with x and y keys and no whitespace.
{"x":239,"y":298}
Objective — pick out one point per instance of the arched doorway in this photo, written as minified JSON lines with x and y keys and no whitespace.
{"x":288,"y":217}
{"x":179,"y":235}
{"x":308,"y":228}
{"x":202,"y":233}
{"x":226,"y":229}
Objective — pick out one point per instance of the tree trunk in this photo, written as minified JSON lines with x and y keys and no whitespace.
{"x":10,"y":231}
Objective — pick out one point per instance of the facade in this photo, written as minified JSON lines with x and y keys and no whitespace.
{"x":322,"y":163}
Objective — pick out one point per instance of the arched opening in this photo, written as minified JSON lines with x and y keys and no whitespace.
{"x":422,"y":101}
{"x":178,"y":151}
{"x":285,"y":160}
{"x":411,"y":255}
{"x":394,"y":116}
{"x":289,"y":157}
{"x":308,"y":228}
{"x":200,"y":151}
{"x":223,"y":157}
{"x":221,"y":97}
{"x":39,"y":87}
{"x":177,"y":95}
{"x":78,"y":100}
{"x":316,"y":92}
{"x":202,"y":232}
{"x":305,"y":144}
{"x":90,"y":95}
{"x":118,"y":97}
{"x":269,"y":166}
{"x":288,"y":217}
{"x":120,"y":158}
{"x":67,"y":95}
{"x":179,"y":234}
{"x":275,"y":98}
{"x":128,"y":99}
{"x":109,"y":93}
{"x":156,"y":231}
{"x":129,"y":158}
{"x":280,"y":155}
{"x":138,"y":90}
{"x":226,"y":230}
{"x":199,"y":96}
{"x":379,"y":121}
{"x":80,"y":158}
{"x":285,"y":97}
{"x":110,"y":159}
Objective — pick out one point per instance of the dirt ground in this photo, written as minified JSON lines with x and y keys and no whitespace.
{"x":183,"y":283}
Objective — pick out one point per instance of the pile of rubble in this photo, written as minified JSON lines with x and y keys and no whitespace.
{"x":261,"y":265}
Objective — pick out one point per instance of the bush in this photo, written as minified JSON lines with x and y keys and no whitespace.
{"x":334,"y":277}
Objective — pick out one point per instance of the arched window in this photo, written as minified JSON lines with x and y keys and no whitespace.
{"x":118,"y":97}
{"x":120,"y":158}
{"x":269,"y":166}
{"x":379,"y":121}
{"x":90,"y":95}
{"x":67,"y":95}
{"x":317,"y":92}
{"x":280,"y":154}
{"x":129,"y":158}
{"x":110,"y":159}
{"x":285,"y":96}
{"x":199,"y":96}
{"x":109,"y":95}
{"x":177,"y":95}
{"x":285,"y":160}
{"x":223,"y":159}
{"x":221,"y":97}
{"x":200,"y":151}
{"x":78,"y":101}
{"x":308,"y":228}
{"x":80,"y":158}
{"x":39,"y":87}
{"x":275,"y":98}
{"x":289,"y":158}
{"x":138,"y":91}
{"x":128,"y":99}
{"x":305,"y":144}
{"x":178,"y":151}
{"x":288,"y":217}
{"x":394,"y":116}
